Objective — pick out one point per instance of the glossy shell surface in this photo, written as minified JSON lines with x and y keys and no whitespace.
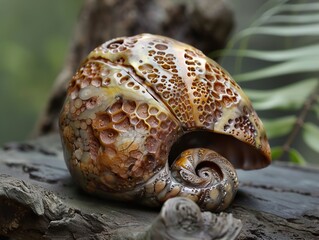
{"x":134,"y":98}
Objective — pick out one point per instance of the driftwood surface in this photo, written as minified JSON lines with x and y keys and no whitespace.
{"x":278,"y":202}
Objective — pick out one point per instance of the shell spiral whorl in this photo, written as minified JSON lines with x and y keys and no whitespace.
{"x":201,"y":175}
{"x":137,"y":103}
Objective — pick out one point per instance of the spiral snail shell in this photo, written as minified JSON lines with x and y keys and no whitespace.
{"x":148,"y":118}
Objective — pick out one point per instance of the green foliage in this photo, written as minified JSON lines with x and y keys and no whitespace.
{"x":296,"y":157}
{"x":289,"y":97}
{"x":279,"y":127}
{"x":288,"y":68}
{"x":34,"y":39}
{"x":311,"y":136}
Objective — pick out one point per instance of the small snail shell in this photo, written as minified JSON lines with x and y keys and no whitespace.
{"x":148,"y":118}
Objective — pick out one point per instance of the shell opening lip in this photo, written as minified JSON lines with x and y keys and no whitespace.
{"x":242,"y":155}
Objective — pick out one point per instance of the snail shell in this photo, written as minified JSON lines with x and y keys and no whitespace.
{"x":148,"y":118}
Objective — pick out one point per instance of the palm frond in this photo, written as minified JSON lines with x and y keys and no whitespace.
{"x":289,"y":97}
{"x":280,"y":21}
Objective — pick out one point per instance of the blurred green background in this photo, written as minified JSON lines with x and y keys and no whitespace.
{"x":34,"y":39}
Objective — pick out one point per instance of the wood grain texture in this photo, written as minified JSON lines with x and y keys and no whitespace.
{"x":278,"y":202}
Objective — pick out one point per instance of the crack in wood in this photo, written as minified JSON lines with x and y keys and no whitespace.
{"x":275,"y":189}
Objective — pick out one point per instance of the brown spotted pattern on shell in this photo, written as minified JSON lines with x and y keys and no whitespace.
{"x":138,"y":103}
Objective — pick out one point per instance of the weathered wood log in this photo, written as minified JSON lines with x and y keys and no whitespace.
{"x":30,"y":212}
{"x":279,"y":202}
{"x":205,"y":24}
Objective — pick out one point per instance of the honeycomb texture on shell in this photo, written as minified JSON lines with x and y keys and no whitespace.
{"x":133,"y":97}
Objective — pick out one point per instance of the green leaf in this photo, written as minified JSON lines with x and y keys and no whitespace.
{"x":296,"y":18}
{"x":298,"y":65}
{"x":311,"y":135}
{"x":279,"y":127}
{"x":299,"y":7}
{"x":274,"y":56}
{"x":276,"y":153}
{"x":267,"y":11}
{"x":281,"y":31}
{"x":289,"y":97}
{"x":296,"y":157}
